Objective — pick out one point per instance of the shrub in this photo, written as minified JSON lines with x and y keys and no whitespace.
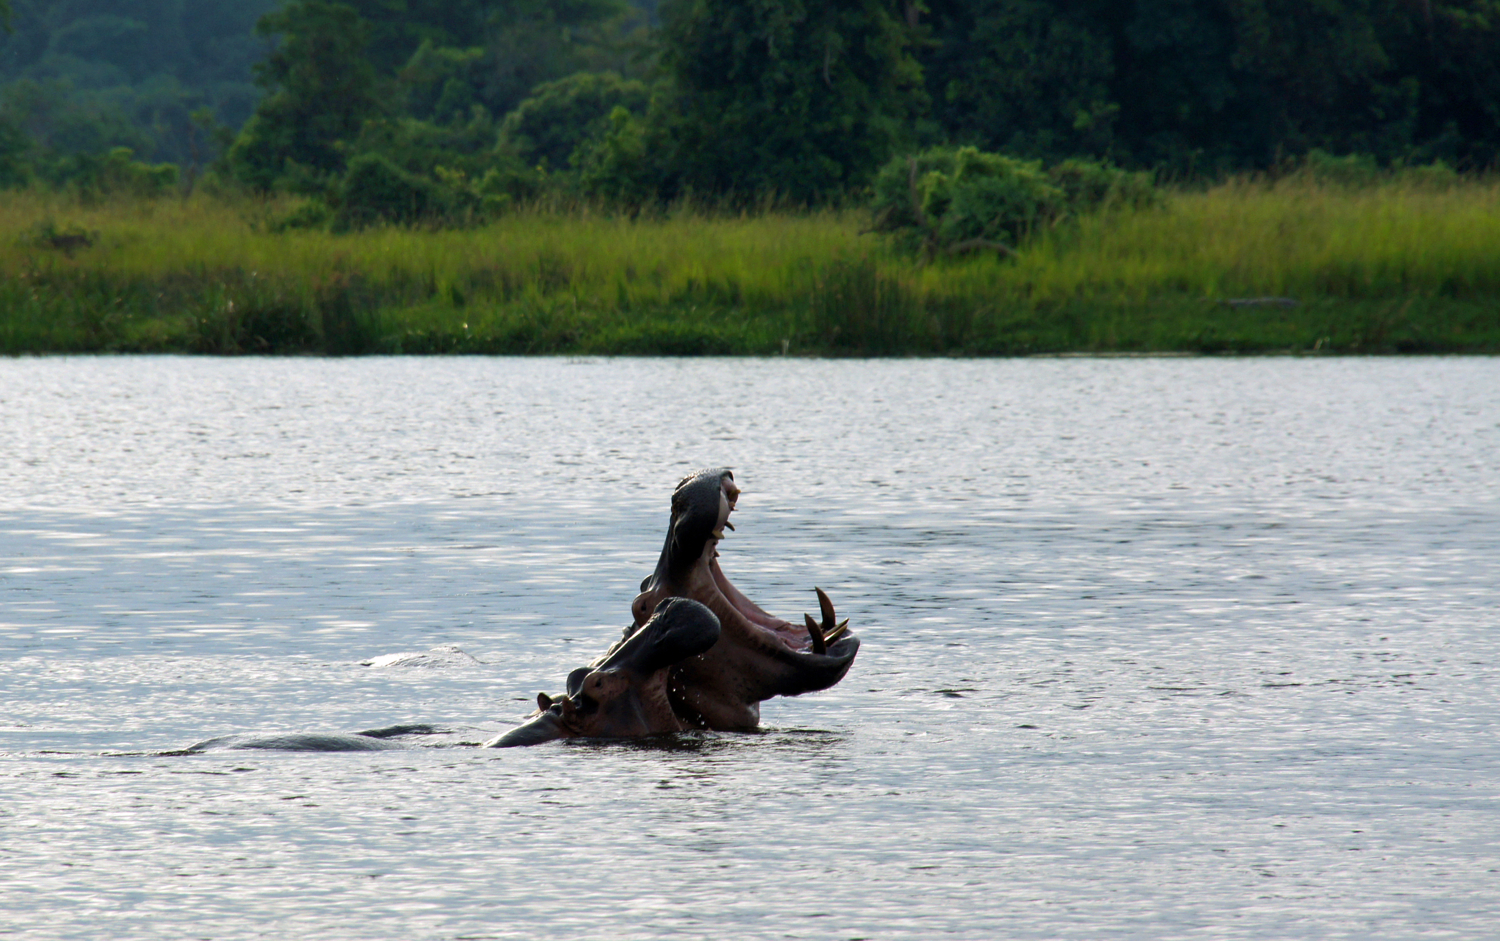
{"x":951,"y":201}
{"x":948,"y":201}
{"x":1087,"y":185}
{"x":618,"y":167}
{"x":113,"y":173}
{"x":1433,"y":176}
{"x":562,"y":116}
{"x":313,"y":214}
{"x":377,"y":191}
{"x":1354,"y":170}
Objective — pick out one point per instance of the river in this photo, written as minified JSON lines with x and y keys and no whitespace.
{"x":1152,"y":648}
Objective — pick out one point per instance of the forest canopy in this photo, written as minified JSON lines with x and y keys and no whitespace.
{"x":471,"y":105}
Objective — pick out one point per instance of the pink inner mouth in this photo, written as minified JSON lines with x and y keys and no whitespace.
{"x":793,"y":636}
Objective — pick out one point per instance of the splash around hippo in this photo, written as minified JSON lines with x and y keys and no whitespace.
{"x":699,"y":654}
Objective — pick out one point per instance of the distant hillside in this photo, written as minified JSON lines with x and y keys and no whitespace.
{"x":82,"y":75}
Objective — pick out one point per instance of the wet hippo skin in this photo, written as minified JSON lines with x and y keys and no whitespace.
{"x":698,"y":654}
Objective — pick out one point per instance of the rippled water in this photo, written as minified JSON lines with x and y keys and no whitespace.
{"x":1152,"y":648}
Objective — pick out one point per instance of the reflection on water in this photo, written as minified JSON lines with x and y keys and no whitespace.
{"x":1150,"y":647}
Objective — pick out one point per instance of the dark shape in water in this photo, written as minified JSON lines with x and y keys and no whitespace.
{"x":699,"y":655}
{"x":369,"y":740}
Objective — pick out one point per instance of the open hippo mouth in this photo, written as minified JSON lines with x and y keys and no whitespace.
{"x":695,"y":572}
{"x":758,"y":655}
{"x":700,"y":654}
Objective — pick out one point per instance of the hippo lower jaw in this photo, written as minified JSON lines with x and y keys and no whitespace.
{"x":758,"y":655}
{"x":624,"y":694}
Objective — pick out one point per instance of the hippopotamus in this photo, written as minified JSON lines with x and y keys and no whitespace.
{"x":698,"y":653}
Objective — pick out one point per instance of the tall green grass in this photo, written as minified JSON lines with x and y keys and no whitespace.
{"x":1397,"y":266}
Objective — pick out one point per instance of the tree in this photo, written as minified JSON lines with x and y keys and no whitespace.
{"x":1031,"y":77}
{"x":396,"y":28}
{"x":1452,"y":49}
{"x":321,"y":88}
{"x":789,"y":97}
{"x":1194,"y":85}
{"x":534,"y":41}
{"x":14,"y":146}
{"x":547,"y":127}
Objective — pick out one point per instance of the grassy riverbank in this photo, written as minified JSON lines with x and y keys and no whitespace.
{"x":1398,"y":267}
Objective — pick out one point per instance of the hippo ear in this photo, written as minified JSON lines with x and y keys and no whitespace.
{"x":575,"y":681}
{"x":546,"y":727}
{"x":678,"y":629}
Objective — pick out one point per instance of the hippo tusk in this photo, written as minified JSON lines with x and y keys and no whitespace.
{"x":828,"y":632}
{"x":837,"y":632}
{"x":827,"y":606}
{"x":818,"y":644}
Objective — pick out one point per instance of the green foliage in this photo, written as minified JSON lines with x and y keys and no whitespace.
{"x":954,"y":201}
{"x":748,"y":103}
{"x":442,"y":83}
{"x":1206,"y":86}
{"x":858,"y":308}
{"x":422,"y":147}
{"x":311,"y":214}
{"x":617,"y":166}
{"x":1397,"y":267}
{"x":321,"y":90}
{"x":1087,"y":185}
{"x":948,"y":201}
{"x":546,"y":128}
{"x":14,"y":146}
{"x":784,"y":97}
{"x":60,"y":124}
{"x":377,"y":191}
{"x":531,"y":42}
{"x":1353,"y":170}
{"x":113,"y":173}
{"x":143,"y":66}
{"x":1031,"y":77}
{"x":1361,"y":172}
{"x":398,"y":28}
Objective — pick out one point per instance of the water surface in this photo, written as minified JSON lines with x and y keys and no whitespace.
{"x":1152,"y":648}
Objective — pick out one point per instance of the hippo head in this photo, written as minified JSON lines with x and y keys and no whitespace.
{"x":757,"y":656}
{"x":625,"y":693}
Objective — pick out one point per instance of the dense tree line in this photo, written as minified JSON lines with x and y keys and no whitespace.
{"x":1219,"y":84}
{"x":458,"y":105}
{"x":83,"y":76}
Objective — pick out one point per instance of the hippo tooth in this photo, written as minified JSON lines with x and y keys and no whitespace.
{"x":837,"y":632}
{"x":827,"y":608}
{"x":818,"y":644}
